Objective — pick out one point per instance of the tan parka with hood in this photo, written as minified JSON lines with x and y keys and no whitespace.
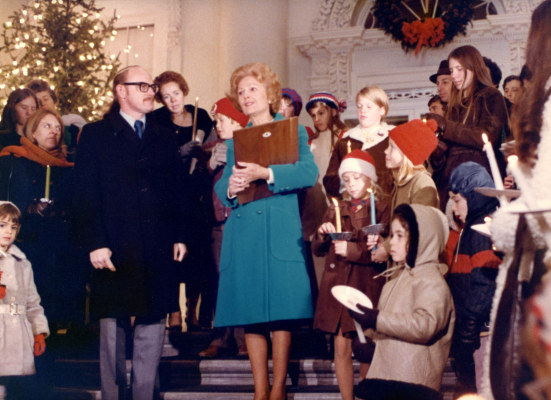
{"x":416,"y":313}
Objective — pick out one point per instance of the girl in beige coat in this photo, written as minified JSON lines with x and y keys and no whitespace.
{"x":23,"y":326}
{"x":413,"y":324}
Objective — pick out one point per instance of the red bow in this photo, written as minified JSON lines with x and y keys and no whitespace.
{"x":428,"y":32}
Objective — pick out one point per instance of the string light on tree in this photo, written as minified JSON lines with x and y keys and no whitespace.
{"x":62,"y":42}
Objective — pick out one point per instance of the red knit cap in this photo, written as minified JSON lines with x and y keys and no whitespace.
{"x":358,"y":161}
{"x":416,"y":139}
{"x":225,"y":107}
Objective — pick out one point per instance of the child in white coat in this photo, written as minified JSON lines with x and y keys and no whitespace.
{"x":23,"y":325}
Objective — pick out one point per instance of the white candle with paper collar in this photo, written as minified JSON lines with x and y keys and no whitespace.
{"x":493,"y":162}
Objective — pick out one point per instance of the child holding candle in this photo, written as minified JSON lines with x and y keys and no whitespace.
{"x":22,"y":321}
{"x":412,"y":325}
{"x":349,"y":262}
{"x":473,"y":268}
{"x":371,"y":135}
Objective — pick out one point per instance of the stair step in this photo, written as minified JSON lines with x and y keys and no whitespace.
{"x":185,"y":376}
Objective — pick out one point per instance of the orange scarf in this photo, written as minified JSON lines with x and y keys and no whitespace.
{"x":53,"y":158}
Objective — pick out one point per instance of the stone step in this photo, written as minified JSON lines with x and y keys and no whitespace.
{"x":185,"y":376}
{"x":212,"y":379}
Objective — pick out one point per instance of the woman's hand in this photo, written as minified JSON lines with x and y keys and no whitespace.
{"x":341,"y":247}
{"x":251,"y":171}
{"x":236,"y":185}
{"x":326,"y":227}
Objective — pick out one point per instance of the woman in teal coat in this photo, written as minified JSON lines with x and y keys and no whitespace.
{"x":263,"y":283}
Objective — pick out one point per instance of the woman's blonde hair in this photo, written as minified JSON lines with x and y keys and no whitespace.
{"x":262,"y":73}
{"x":377,"y":96}
{"x":32,"y":125}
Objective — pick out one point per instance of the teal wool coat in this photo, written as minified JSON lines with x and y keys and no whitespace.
{"x":263,"y":274}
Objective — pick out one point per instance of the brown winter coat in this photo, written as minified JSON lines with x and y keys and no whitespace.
{"x":356,"y":270}
{"x":461,"y":139}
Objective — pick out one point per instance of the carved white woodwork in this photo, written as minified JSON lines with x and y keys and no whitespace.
{"x":345,"y":56}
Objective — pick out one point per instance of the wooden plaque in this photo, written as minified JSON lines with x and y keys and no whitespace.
{"x":266,"y":144}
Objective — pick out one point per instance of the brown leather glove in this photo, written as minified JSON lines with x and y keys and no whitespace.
{"x":39,"y":345}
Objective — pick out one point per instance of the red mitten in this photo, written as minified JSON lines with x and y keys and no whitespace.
{"x":2,"y":288}
{"x":39,"y":345}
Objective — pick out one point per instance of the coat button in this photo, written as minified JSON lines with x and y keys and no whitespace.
{"x":145,"y":189}
{"x":259,"y":211}
{"x":332,"y":265}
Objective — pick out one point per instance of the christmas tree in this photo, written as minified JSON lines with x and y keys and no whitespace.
{"x":62,"y":42}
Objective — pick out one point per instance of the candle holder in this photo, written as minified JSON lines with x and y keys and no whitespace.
{"x":492,"y":192}
{"x":373,"y":229}
{"x":341,"y":235}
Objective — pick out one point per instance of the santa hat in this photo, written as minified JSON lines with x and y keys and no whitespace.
{"x":416,"y":139}
{"x":326,"y":98}
{"x":358,"y":161}
{"x":225,"y":107}
{"x":296,"y":100}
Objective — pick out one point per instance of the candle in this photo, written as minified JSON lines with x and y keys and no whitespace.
{"x":372,"y":203}
{"x":194,"y":126}
{"x":47,"y":188}
{"x":493,"y":163}
{"x":512,"y":162}
{"x":337,"y":214}
{"x":348,"y":147}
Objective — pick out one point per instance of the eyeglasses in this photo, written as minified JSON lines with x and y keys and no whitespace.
{"x":49,"y":126}
{"x":143,"y":86}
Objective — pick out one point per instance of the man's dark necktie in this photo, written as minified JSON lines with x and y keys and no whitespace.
{"x":138,"y":127}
